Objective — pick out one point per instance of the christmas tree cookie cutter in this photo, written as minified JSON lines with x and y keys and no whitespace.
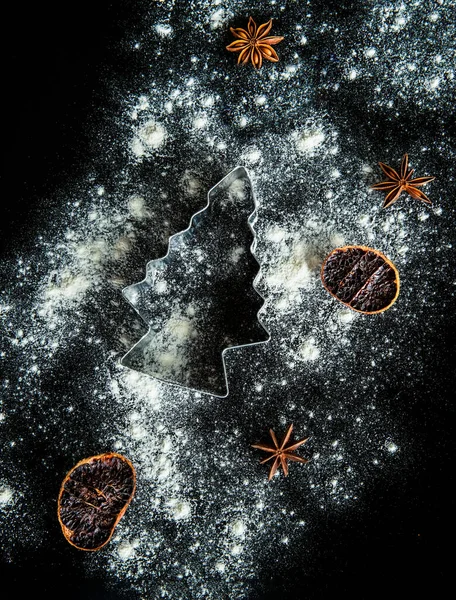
{"x":200,"y":300}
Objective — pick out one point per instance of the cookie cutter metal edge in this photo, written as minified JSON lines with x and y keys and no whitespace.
{"x":224,"y":182}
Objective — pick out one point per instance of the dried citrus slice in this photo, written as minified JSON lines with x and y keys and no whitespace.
{"x":94,"y":497}
{"x":361,"y":278}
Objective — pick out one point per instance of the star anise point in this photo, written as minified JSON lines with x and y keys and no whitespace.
{"x":401,"y":182}
{"x":254,"y":44}
{"x":281,"y":453}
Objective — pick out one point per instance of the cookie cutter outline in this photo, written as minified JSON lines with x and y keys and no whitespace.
{"x":236,"y":173}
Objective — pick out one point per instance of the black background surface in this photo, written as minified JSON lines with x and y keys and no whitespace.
{"x":57,"y":60}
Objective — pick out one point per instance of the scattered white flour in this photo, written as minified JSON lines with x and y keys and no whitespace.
{"x":275,"y":234}
{"x":347,"y":316}
{"x":164,"y":30}
{"x":220,"y":567}
{"x":236,"y":254}
{"x":295,"y":261}
{"x":308,"y":140}
{"x":67,"y":287}
{"x":168,"y":354}
{"x":137,"y":429}
{"x":309,"y":350}
{"x":126,"y":549}
{"x":179,"y":509}
{"x":138,"y":207}
{"x":236,"y":191}
{"x":219,"y":18}
{"x":238,"y":529}
{"x":191,"y":184}
{"x":6,"y":496}
{"x":391,"y":446}
{"x":203,"y":506}
{"x":260,"y":100}
{"x":200,"y":121}
{"x":4,"y":309}
{"x":161,"y":287}
{"x":316,"y":137}
{"x":150,"y":136}
{"x":252,"y":155}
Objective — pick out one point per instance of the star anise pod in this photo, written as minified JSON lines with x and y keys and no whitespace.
{"x":281,"y":453}
{"x":398,"y":183}
{"x":253,"y":43}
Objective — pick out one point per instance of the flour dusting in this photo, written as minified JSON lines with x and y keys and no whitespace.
{"x":205,"y":520}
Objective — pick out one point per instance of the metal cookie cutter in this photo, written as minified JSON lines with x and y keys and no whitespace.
{"x":200,"y":300}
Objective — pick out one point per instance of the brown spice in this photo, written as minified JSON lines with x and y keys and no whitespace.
{"x":93,"y":498}
{"x":281,"y":453}
{"x":254,"y":44}
{"x":361,"y":278}
{"x":398,"y":183}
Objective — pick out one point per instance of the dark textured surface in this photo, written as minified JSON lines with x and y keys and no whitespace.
{"x":373,"y":510}
{"x":93,"y":496}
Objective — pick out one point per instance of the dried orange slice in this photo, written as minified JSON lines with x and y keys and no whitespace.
{"x":361,"y":278}
{"x":93,"y":498}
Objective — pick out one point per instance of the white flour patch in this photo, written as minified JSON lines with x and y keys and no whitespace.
{"x":179,"y":509}
{"x":316,"y":137}
{"x":309,"y":350}
{"x":191,"y":184}
{"x":169,"y":349}
{"x":6,"y":496}
{"x":149,"y":137}
{"x":308,"y":140}
{"x":138,"y":207}
{"x":294,"y":259}
{"x":219,"y":17}
{"x":238,"y":529}
{"x":252,"y":155}
{"x":164,"y":30}
{"x":127,"y":550}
